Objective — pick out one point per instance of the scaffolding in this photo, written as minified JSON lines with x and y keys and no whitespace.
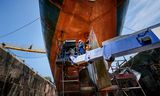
{"x":71,"y":81}
{"x":67,"y":80}
{"x":126,"y":79}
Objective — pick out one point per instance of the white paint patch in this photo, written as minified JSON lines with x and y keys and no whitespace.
{"x":156,"y":31}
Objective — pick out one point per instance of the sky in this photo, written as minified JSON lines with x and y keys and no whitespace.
{"x":141,"y":14}
{"x":16,"y":13}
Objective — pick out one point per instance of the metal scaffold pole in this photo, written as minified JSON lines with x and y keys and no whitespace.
{"x":123,"y":75}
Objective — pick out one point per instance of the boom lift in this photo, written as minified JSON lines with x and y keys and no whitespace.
{"x":143,"y":40}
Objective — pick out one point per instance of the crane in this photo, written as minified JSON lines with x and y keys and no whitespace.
{"x":6,"y":46}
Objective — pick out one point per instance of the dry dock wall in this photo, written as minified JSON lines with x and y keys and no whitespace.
{"x":17,"y":79}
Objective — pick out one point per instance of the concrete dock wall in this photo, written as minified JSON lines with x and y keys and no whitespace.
{"x":17,"y":79}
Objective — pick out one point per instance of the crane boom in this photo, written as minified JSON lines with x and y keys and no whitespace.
{"x":22,"y":49}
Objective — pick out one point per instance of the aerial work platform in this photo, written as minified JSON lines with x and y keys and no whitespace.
{"x":143,"y":40}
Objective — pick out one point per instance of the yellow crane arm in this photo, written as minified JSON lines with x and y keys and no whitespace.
{"x":23,"y":49}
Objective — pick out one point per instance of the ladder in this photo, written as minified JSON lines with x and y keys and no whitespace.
{"x":70,"y":83}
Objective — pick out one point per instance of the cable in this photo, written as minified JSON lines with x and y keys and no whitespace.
{"x":19,"y":28}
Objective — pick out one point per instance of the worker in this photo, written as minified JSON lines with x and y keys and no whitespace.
{"x":81,"y":47}
{"x":72,"y":52}
{"x":87,"y":45}
{"x":72,"y":55}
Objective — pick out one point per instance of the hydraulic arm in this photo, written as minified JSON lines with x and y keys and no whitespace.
{"x":143,"y":40}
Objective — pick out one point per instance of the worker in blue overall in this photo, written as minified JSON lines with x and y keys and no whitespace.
{"x":81,"y":47}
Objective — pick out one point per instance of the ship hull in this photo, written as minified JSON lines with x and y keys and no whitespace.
{"x":76,"y":19}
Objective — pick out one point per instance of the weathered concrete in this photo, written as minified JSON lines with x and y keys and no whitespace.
{"x":16,"y":79}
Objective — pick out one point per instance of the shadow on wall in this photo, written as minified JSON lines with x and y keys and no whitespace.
{"x":16,"y":79}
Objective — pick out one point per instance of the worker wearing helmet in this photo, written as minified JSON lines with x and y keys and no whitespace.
{"x":81,"y":47}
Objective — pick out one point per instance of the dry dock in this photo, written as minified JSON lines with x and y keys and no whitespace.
{"x":17,"y":79}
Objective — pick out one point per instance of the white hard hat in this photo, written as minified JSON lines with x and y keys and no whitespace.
{"x":79,"y":40}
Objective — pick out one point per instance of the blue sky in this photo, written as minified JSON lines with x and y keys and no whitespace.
{"x":141,"y":14}
{"x":16,"y":13}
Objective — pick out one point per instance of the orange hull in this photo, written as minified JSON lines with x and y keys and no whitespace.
{"x":75,"y":19}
